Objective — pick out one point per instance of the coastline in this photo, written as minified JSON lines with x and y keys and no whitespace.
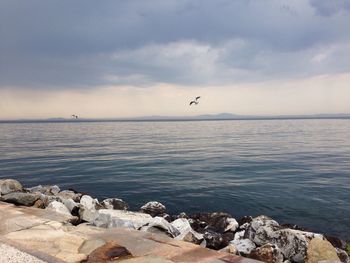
{"x":260,"y":238}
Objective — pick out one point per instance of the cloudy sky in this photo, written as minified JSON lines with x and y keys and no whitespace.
{"x":117,"y":58}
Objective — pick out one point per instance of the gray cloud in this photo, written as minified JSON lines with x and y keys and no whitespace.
{"x":63,"y":43}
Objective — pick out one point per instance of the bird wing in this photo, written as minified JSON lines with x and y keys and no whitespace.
{"x":191,"y":103}
{"x":198,"y":97}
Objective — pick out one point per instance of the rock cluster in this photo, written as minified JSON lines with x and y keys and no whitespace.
{"x":260,"y":238}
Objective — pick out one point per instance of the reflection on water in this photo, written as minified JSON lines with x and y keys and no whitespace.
{"x":297,"y":171}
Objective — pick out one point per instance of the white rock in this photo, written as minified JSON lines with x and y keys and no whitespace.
{"x":161,"y":223}
{"x":9,"y":185}
{"x":239,"y":235}
{"x":114,"y":203}
{"x":153,"y":208}
{"x":70,"y":204}
{"x":59,"y":208}
{"x":120,"y":218}
{"x":244,"y":246}
{"x":186,"y":231}
{"x":88,"y":202}
{"x":232,"y":224}
{"x":88,"y":215}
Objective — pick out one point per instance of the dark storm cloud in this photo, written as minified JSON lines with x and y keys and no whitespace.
{"x":64,"y":43}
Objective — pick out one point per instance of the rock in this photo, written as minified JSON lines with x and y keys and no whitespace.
{"x":214,"y":240}
{"x":239,"y":235}
{"x":160,"y":223}
{"x":9,"y":186}
{"x":243,"y":246}
{"x":59,"y":208}
{"x":230,"y":248}
{"x":232,"y":225}
{"x":46,"y":189}
{"x":153,"y":208}
{"x":120,"y":218}
{"x":47,"y":199}
{"x":186,"y":231}
{"x":67,"y":194}
{"x":39,"y":204}
{"x":114,"y":203}
{"x":267,"y":253}
{"x":292,"y":243}
{"x":342,"y":255}
{"x":70,"y":204}
{"x":88,"y":215}
{"x":109,"y":252}
{"x":336,"y":242}
{"x":319,"y":250}
{"x":216,"y":222}
{"x":18,"y":198}
{"x":244,"y":220}
{"x":89,"y":203}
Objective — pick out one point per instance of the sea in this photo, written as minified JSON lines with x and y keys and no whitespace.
{"x":296,"y":171}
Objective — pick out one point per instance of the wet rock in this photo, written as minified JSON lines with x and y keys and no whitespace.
{"x":267,"y":253}
{"x":120,"y":218}
{"x":217,"y":222}
{"x":243,"y":246}
{"x":46,"y":189}
{"x":342,"y":255}
{"x":319,"y":250}
{"x":153,"y":208}
{"x":114,"y":203}
{"x":336,"y":242}
{"x":59,"y":208}
{"x":293,"y":243}
{"x":214,"y":240}
{"x":186,"y":231}
{"x":160,"y":223}
{"x":9,"y":186}
{"x":109,"y":252}
{"x":18,"y":198}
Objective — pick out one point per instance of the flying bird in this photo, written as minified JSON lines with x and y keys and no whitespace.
{"x":196,"y":101}
{"x":75,"y":116}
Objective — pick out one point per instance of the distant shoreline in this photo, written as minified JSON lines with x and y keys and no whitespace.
{"x":178,"y":119}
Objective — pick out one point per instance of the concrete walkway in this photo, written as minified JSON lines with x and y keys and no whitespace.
{"x":37,"y":235}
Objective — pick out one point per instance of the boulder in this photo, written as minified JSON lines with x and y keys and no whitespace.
{"x":67,"y":194}
{"x":46,"y":189}
{"x":217,"y":222}
{"x":70,"y":204}
{"x":321,"y":250}
{"x":243,"y":246}
{"x":9,"y":186}
{"x":342,"y":255}
{"x":39,"y":204}
{"x":214,"y":240}
{"x":59,"y":208}
{"x":159,"y":223}
{"x":88,"y":215}
{"x":114,"y":203}
{"x":232,"y":225}
{"x":47,"y":199}
{"x":267,"y":253}
{"x":336,"y":242}
{"x":153,"y":208}
{"x":120,"y":218}
{"x":89,"y":203}
{"x":292,"y":243}
{"x":18,"y":198}
{"x":186,"y":231}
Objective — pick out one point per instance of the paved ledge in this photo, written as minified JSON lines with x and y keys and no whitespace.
{"x":44,"y":236}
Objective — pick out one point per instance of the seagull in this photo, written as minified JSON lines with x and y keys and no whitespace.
{"x":75,"y":116}
{"x":196,"y":101}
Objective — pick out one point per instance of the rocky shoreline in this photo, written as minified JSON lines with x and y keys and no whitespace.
{"x":260,"y":238}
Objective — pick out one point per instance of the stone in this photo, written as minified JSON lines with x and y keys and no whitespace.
{"x":232,"y":225}
{"x":46,"y":189}
{"x":153,"y":208}
{"x":39,"y":204}
{"x":18,"y":198}
{"x":321,"y":250}
{"x":88,"y":202}
{"x":59,"y":208}
{"x":214,"y":240}
{"x":120,"y":218}
{"x":67,"y":194}
{"x":109,"y":252}
{"x":161,"y":223}
{"x":9,"y":185}
{"x":336,"y":242}
{"x":267,"y":253}
{"x":216,"y":222}
{"x":230,"y":248}
{"x":186,"y":231}
{"x":342,"y":255}
{"x":70,"y":204}
{"x":114,"y":203}
{"x":88,"y":215}
{"x":245,"y":220}
{"x":47,"y":199}
{"x":243,"y":246}
{"x":292,"y":243}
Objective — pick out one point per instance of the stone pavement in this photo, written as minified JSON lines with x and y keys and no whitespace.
{"x":44,"y":236}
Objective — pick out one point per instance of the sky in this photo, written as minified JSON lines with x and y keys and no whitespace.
{"x":117,"y":59}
